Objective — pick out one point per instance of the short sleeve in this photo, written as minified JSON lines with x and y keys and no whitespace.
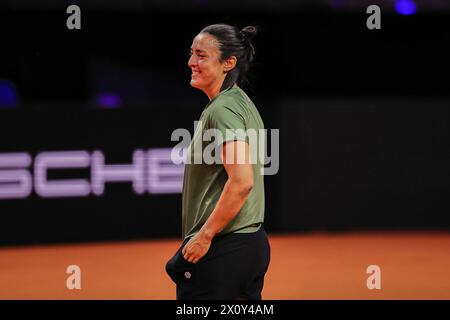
{"x":229,"y":123}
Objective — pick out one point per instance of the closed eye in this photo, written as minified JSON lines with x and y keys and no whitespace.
{"x":199,"y":53}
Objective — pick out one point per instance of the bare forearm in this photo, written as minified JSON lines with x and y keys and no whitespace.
{"x":230,"y":202}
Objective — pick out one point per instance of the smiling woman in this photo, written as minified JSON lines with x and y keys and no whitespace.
{"x":225,"y":251}
{"x":218,"y":65}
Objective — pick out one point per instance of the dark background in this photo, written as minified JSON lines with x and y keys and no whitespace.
{"x":363,"y":114}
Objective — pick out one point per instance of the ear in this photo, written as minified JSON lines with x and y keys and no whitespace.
{"x":229,"y":64}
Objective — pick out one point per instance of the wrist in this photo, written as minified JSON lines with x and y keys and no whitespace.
{"x":207,"y":233}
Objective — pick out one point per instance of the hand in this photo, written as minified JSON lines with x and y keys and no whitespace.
{"x":196,"y":248}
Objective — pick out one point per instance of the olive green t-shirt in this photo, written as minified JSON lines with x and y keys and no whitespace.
{"x":231,"y":114}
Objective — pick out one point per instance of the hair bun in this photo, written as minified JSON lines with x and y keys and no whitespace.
{"x":248,"y":33}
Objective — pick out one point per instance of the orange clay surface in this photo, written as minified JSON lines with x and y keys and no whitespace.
{"x":303,"y":266}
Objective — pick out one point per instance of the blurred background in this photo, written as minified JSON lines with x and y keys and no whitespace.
{"x":86,"y":118}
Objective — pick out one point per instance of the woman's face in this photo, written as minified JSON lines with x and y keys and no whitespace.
{"x":207,"y":70}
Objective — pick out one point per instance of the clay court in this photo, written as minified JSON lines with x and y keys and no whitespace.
{"x":303,"y":266}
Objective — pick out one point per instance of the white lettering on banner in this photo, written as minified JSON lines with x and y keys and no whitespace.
{"x":60,"y":160}
{"x":160,"y":166}
{"x":16,"y":181}
{"x":152,"y":172}
{"x":102,"y":173}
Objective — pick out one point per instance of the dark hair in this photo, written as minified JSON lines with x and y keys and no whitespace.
{"x":234,"y":42}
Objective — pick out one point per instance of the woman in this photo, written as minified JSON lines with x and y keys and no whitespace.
{"x":225,"y":253}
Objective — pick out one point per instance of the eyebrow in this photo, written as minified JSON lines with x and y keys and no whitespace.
{"x":199,"y":50}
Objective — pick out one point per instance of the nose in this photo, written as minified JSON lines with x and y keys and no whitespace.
{"x":191,"y":61}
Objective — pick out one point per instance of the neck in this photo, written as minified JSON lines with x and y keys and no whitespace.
{"x":214,"y":93}
{"x":214,"y":90}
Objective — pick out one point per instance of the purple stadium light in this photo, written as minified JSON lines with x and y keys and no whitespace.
{"x":8,"y":94}
{"x":405,"y":7}
{"x":109,"y":100}
{"x":337,"y":4}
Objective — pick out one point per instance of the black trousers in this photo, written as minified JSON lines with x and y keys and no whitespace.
{"x":233,"y":268}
